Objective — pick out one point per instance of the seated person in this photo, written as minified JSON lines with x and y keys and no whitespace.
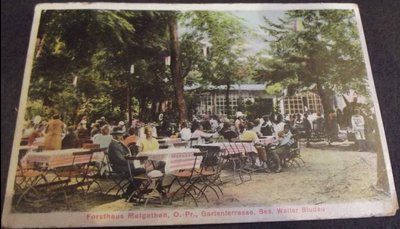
{"x":266,"y":127}
{"x":285,"y":140}
{"x":307,"y":129}
{"x":279,"y":125}
{"x":148,"y":143}
{"x":70,"y":140}
{"x":142,"y":128}
{"x":121,"y":124}
{"x":103,"y":138}
{"x":225,"y":127}
{"x":201,"y":135}
{"x":249,"y":134}
{"x":227,"y":132}
{"x":185,"y":132}
{"x":81,"y":131}
{"x":131,"y":138}
{"x":257,"y":126}
{"x":116,"y":153}
{"x":95,"y":130}
{"x":318,"y":124}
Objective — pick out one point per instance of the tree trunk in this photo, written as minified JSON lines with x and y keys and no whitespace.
{"x":228,"y":107}
{"x":154,"y":109}
{"x":74,"y":119}
{"x":128,"y":103}
{"x":176,"y":70}
{"x":326,"y":99}
{"x":142,"y":109}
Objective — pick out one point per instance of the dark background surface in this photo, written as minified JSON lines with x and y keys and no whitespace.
{"x":381,"y":24}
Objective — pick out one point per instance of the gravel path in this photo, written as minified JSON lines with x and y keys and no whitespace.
{"x":332,"y":174}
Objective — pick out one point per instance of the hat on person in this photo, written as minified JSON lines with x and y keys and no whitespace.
{"x":121,"y":123}
{"x":239,"y":114}
{"x":117,"y":131}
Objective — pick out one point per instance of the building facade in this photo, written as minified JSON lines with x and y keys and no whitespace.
{"x":310,"y":102}
{"x":213,"y":100}
{"x":306,"y":102}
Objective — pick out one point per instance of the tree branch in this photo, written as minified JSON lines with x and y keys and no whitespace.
{"x":187,"y":69}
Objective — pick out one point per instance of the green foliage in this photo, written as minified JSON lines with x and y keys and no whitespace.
{"x":326,"y":51}
{"x":192,"y":101}
{"x":101,"y":106}
{"x":274,"y":89}
{"x":258,"y":108}
{"x":222,"y":35}
{"x":97,"y":47}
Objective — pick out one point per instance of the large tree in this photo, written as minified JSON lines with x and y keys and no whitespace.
{"x":318,"y":48}
{"x":97,"y":47}
{"x":321,"y":48}
{"x":222,"y":34}
{"x":176,"y":65}
{"x":71,"y":44}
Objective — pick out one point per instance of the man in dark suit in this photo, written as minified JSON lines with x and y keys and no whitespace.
{"x":116,"y":153}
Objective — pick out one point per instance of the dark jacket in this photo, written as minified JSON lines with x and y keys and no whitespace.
{"x":69,"y":141}
{"x":116,"y":153}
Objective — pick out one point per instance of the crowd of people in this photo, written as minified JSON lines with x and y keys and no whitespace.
{"x":59,"y":136}
{"x":119,"y":138}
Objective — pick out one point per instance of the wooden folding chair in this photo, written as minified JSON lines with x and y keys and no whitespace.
{"x":120,"y":182}
{"x":64,"y":181}
{"x":293,"y":157}
{"x":211,"y":168}
{"x":248,"y":157}
{"x":234,"y":155}
{"x":187,"y":178}
{"x":26,"y":180}
{"x":81,"y":173}
{"x":143,"y":184}
{"x":93,"y":171}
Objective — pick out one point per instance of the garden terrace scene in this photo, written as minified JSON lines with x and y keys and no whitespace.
{"x":182,"y":109}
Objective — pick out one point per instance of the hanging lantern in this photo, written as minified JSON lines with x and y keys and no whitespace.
{"x":132,"y":70}
{"x":168,"y":60}
{"x":298,"y":25}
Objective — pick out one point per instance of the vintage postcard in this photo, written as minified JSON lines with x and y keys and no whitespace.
{"x":171,"y":114}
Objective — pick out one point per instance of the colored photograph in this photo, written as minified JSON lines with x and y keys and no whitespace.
{"x":140,"y":113}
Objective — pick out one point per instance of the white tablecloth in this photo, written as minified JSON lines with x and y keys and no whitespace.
{"x":174,"y":158}
{"x":234,"y":147}
{"x":58,"y":158}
